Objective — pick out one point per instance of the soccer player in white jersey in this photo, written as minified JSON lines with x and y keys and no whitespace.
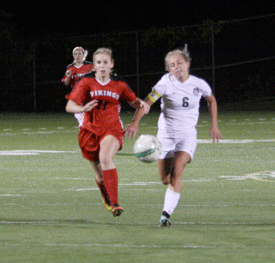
{"x":180,"y":95}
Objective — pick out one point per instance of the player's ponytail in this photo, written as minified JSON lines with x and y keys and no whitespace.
{"x":183,"y":52}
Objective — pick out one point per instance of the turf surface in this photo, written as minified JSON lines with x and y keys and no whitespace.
{"x":51,"y":210}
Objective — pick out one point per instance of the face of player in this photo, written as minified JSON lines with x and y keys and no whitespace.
{"x":179,"y":67}
{"x":103,"y":65}
{"x":78,"y":56}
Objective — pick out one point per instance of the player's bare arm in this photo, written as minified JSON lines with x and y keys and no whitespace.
{"x":132,"y":129}
{"x":213,"y":109}
{"x":73,"y":107}
{"x":68,"y":75}
{"x":138,"y":103}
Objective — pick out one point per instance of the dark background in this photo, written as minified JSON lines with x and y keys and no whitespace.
{"x":37,"y":39}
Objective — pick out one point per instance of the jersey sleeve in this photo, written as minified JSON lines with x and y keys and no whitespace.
{"x":89,"y":67}
{"x":205,"y":88}
{"x":128,"y":94}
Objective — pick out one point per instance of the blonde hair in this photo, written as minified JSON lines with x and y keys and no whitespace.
{"x":85,"y":52}
{"x":104,"y":50}
{"x":182,"y":52}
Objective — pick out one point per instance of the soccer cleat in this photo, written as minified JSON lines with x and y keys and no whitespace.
{"x":117,"y":210}
{"x":164,"y":221}
{"x":106,"y":204}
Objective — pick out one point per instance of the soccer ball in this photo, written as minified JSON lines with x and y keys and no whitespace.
{"x":147,"y":148}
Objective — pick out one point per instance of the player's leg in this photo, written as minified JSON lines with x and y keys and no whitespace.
{"x":109,"y":146}
{"x":172,"y":194}
{"x":98,"y":171}
{"x":99,"y":180}
{"x":165,"y":164}
{"x":89,"y":144}
{"x":166,"y":158}
{"x":165,"y":168}
{"x":181,"y":159}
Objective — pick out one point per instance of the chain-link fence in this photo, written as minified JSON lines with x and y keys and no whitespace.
{"x":235,"y":57}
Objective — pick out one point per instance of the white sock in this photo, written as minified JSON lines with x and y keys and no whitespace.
{"x":170,"y":201}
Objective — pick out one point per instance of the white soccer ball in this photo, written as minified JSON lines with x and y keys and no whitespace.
{"x":147,"y":148}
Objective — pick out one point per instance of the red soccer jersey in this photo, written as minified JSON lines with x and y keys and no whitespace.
{"x":76,"y":72}
{"x":105,"y":116}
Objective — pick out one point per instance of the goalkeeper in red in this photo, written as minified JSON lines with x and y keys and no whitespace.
{"x":99,"y":95}
{"x":180,"y":95}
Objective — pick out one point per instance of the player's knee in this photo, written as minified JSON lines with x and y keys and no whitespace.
{"x":105,"y":162}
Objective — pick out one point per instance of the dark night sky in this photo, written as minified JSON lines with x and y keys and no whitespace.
{"x":94,"y":17}
{"x":24,"y":19}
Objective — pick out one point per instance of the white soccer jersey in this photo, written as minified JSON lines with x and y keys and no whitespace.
{"x":179,"y":102}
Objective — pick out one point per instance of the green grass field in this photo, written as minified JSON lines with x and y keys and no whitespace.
{"x":51,"y":209}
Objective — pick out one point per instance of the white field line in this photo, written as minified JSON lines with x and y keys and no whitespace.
{"x":10,"y":195}
{"x":200,"y":141}
{"x":235,"y":141}
{"x":33,"y":152}
{"x":144,"y":246}
{"x":250,"y":123}
{"x":157,"y":246}
{"x":203,"y":123}
{"x":16,"y":153}
{"x":265,"y":176}
{"x":10,"y":132}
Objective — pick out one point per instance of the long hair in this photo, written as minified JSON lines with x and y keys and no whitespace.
{"x":183,"y":52}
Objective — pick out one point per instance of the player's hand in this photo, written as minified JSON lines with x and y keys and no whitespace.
{"x":68,"y":73}
{"x":145,"y":106}
{"x":90,"y":105}
{"x":215,"y":134}
{"x":138,"y":103}
{"x":131,"y":130}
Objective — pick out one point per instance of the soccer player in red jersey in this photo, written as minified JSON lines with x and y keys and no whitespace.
{"x":101,"y":135}
{"x":76,"y":70}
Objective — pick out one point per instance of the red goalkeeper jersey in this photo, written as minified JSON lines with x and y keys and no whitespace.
{"x":105,"y":117}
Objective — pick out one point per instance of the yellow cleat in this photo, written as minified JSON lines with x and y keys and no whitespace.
{"x":106,"y":204}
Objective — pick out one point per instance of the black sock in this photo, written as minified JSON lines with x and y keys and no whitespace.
{"x":166,"y":214}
